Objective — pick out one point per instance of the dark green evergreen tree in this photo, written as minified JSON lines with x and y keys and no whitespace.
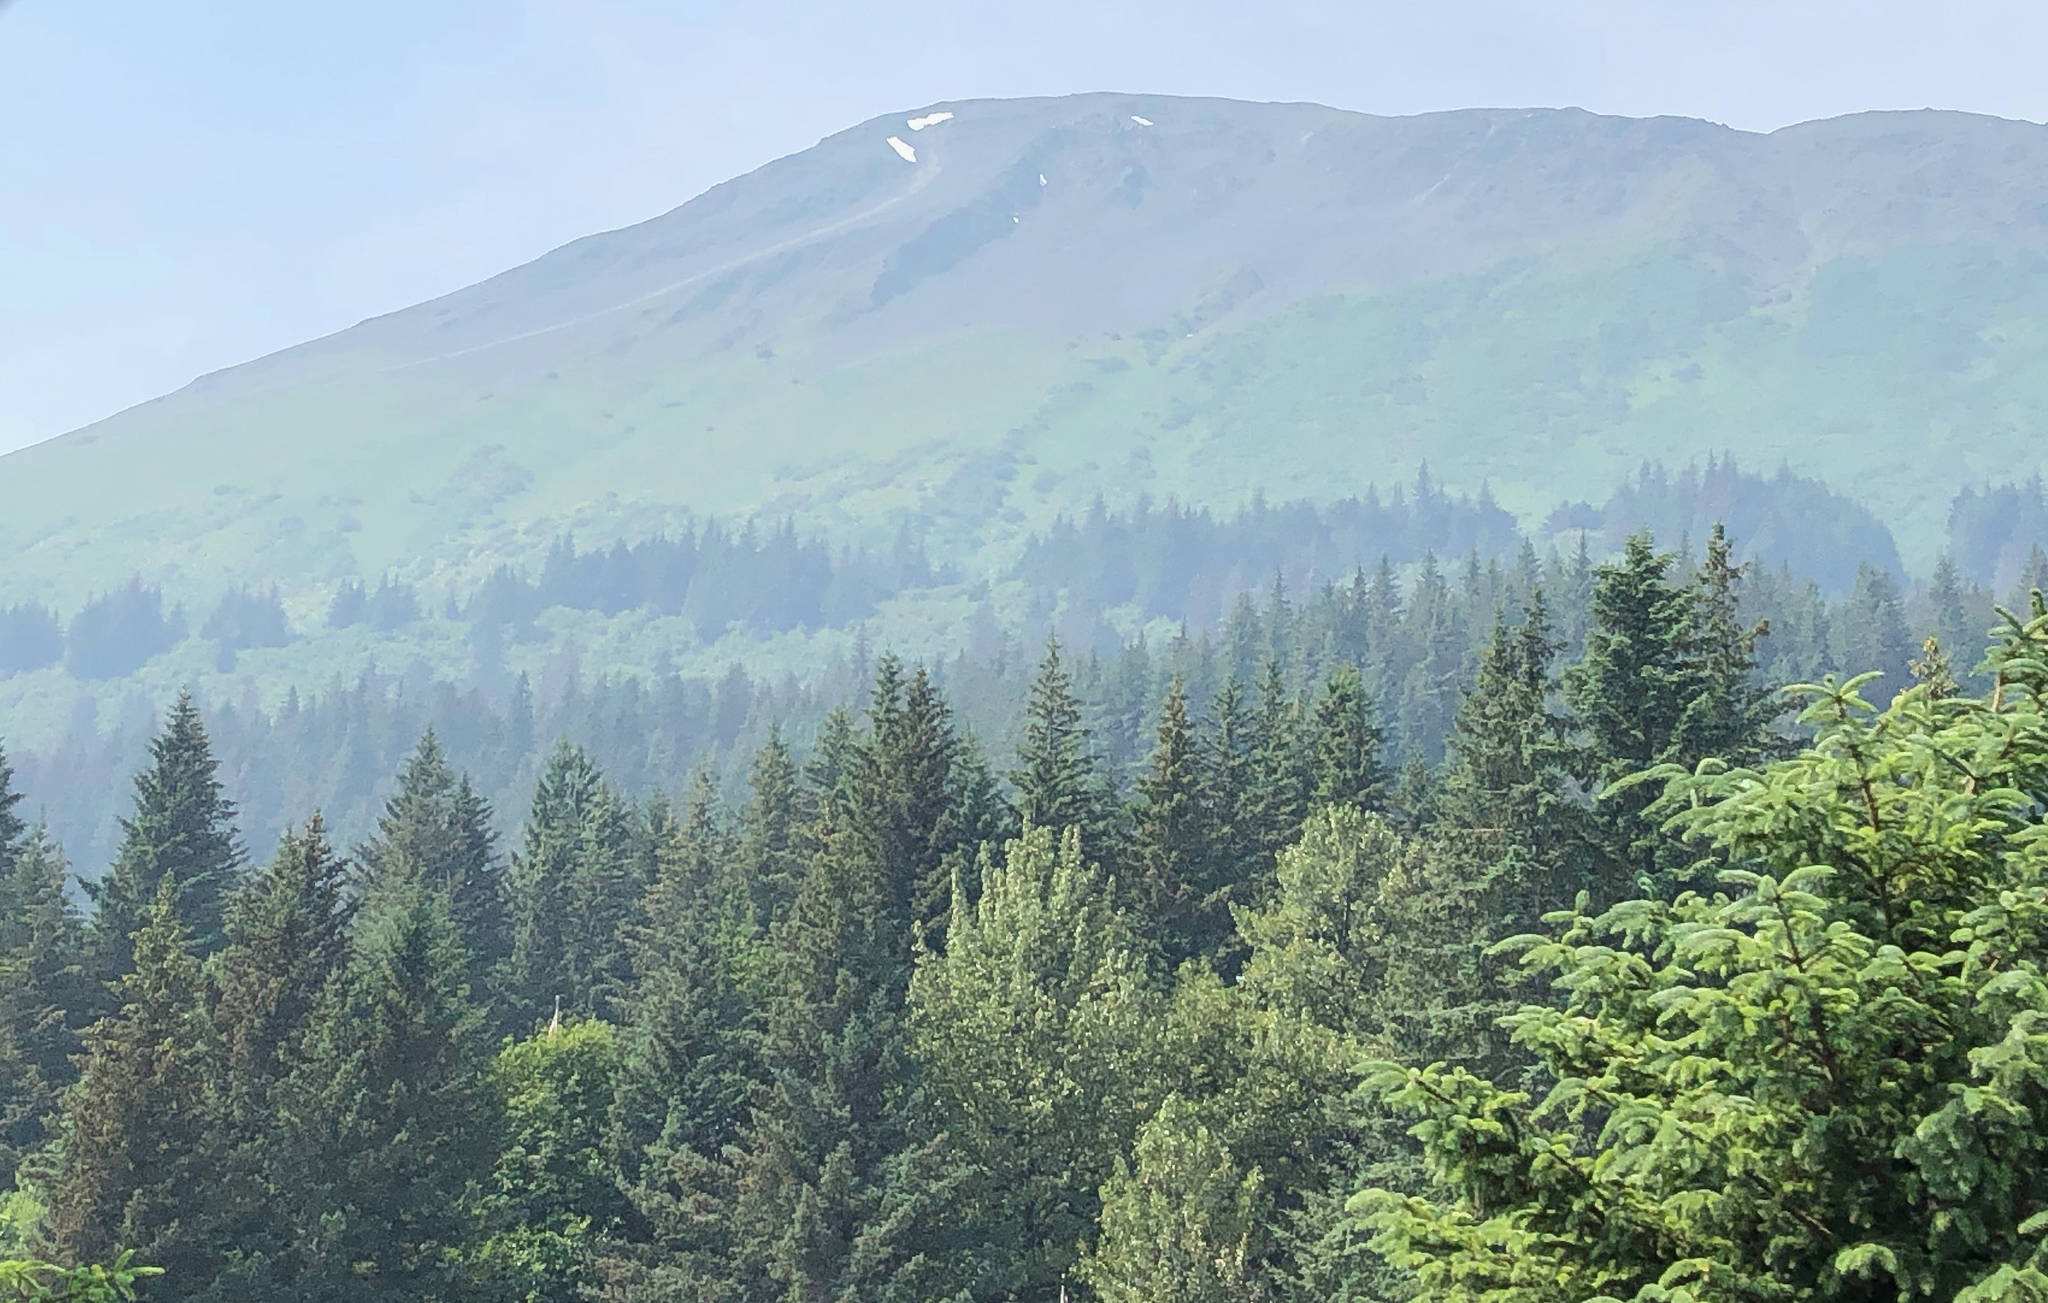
{"x":837,"y":1198}
{"x":1632,"y":694}
{"x":573,"y":888}
{"x":140,"y":1156}
{"x":1731,"y":715}
{"x":182,"y":832}
{"x":438,"y":823}
{"x":1280,"y":773}
{"x":44,"y":992}
{"x":287,"y":931}
{"x":1180,"y":894}
{"x":1058,"y":779}
{"x":1348,"y":764}
{"x":390,"y":1109}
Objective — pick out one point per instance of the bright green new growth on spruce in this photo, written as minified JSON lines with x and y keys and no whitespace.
{"x":1820,"y":1079}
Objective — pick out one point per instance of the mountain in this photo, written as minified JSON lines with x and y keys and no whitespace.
{"x":1034,"y":302}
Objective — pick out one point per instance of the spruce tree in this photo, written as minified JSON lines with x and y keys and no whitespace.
{"x":12,"y":830}
{"x":1280,"y":774}
{"x":287,"y":930}
{"x":1179,"y":892}
{"x":907,"y":793}
{"x":44,"y":994}
{"x":1348,"y":763}
{"x":140,"y":1160}
{"x":1631,"y":694}
{"x":438,"y":823}
{"x":182,"y":832}
{"x":1058,"y":781}
{"x":836,"y":1197}
{"x":770,"y":830}
{"x":687,"y":1059}
{"x":1731,"y":715}
{"x":570,"y":890}
{"x":389,"y":1108}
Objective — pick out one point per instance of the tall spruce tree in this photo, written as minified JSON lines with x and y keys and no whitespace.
{"x":12,"y":829}
{"x":44,"y":993}
{"x":1732,"y":715}
{"x":141,"y":1125}
{"x":1058,"y":779}
{"x":571,"y":890}
{"x":441,"y":826}
{"x":1348,"y":764}
{"x":1632,"y":694}
{"x":1280,"y":774}
{"x":837,"y":1197}
{"x":182,"y":832}
{"x":287,"y":929}
{"x":391,"y":1109}
{"x":1179,"y":891}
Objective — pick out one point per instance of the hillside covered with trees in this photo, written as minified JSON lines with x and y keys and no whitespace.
{"x":1636,"y":979}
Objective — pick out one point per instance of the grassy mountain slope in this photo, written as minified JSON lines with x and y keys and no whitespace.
{"x":1056,"y":300}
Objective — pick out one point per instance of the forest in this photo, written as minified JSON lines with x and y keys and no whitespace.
{"x":1566,"y":930}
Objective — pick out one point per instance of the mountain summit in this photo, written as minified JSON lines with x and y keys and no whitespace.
{"x":971,"y":315}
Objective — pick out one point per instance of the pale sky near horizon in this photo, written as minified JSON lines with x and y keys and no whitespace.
{"x":185,"y":187}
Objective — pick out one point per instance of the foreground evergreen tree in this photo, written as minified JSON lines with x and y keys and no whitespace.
{"x":837,"y":1197}
{"x":182,"y":832}
{"x":140,"y":1126}
{"x":1819,"y":1083}
{"x":688,"y":1061}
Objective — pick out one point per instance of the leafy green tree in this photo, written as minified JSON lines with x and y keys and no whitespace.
{"x":182,"y":832}
{"x":1177,"y":1224}
{"x":141,"y":1125}
{"x":1037,"y":1035}
{"x":550,"y":1205}
{"x":44,"y":993}
{"x":1817,"y":1083}
{"x":47,"y":1282}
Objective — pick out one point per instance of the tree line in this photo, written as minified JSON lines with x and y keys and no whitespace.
{"x":906,"y":1021}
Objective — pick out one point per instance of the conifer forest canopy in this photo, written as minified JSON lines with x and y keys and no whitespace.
{"x":1115,"y":699}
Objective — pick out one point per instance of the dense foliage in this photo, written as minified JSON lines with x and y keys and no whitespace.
{"x":1113,"y":1006}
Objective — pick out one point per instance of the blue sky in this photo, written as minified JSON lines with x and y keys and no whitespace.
{"x":186,"y":186}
